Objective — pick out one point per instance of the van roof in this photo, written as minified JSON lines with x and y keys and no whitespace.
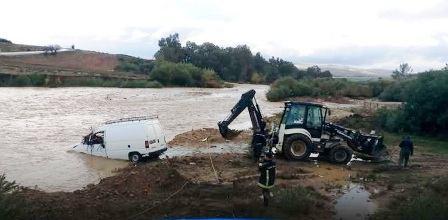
{"x":139,"y":118}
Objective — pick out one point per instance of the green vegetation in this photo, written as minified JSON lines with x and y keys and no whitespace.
{"x":428,"y":202}
{"x":184,"y":74}
{"x":289,"y":87}
{"x":395,"y":92}
{"x":2,"y":40}
{"x":402,"y":72}
{"x":135,"y":65}
{"x":425,"y":109}
{"x":11,"y":205}
{"x":42,"y":80}
{"x":234,"y":64}
{"x":425,"y":143}
{"x":296,"y":200}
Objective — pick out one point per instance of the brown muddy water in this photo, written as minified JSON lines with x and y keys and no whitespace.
{"x":40,"y":125}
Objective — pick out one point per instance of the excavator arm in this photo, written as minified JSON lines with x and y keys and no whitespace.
{"x":260,"y":136}
{"x":247,"y":101}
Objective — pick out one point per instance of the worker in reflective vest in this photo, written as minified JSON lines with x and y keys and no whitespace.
{"x":267,"y":176}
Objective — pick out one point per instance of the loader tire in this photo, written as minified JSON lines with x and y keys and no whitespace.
{"x":297,"y":147}
{"x":135,"y":157}
{"x":340,"y":154}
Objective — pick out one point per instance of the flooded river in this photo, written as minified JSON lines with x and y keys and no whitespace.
{"x":40,"y":125}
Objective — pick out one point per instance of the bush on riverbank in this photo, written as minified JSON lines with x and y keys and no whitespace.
{"x":135,"y":65}
{"x":184,"y":74}
{"x":42,"y":80}
{"x":425,"y":109}
{"x":11,"y":205}
{"x":289,"y":87}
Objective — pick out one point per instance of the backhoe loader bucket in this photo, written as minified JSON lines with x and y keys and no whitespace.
{"x":226,"y":132}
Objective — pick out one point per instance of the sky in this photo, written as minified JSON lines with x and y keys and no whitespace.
{"x":360,"y":33}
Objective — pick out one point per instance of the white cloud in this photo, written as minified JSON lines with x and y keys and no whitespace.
{"x":293,"y":29}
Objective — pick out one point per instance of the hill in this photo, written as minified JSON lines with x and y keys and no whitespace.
{"x":11,"y":47}
{"x":349,"y":71}
{"x":64,"y":63}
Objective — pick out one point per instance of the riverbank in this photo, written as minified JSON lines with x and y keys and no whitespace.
{"x":208,"y":182}
{"x":224,"y":185}
{"x":41,"y":125}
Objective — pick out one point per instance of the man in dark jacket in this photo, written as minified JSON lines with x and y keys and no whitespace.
{"x":407,"y":149}
{"x":267,"y":175}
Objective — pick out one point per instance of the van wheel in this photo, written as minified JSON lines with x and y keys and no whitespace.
{"x":341,"y":155}
{"x":135,"y":157}
{"x":297,"y":147}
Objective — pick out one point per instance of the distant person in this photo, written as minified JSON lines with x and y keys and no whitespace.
{"x":407,"y":149}
{"x":267,"y":176}
{"x":73,"y":46}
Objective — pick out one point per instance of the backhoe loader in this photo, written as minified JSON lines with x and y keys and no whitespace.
{"x":303,"y":130}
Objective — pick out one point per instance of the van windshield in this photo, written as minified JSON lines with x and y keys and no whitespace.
{"x":94,"y":138}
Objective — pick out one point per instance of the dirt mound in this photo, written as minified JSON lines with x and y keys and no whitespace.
{"x":206,"y":137}
{"x":174,"y":187}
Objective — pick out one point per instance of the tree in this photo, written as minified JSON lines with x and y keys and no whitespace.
{"x":446,"y":67}
{"x":2,"y":40}
{"x":402,"y":72}
{"x":52,"y":49}
{"x":171,"y":49}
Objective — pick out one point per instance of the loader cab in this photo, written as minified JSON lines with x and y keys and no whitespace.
{"x":304,"y":115}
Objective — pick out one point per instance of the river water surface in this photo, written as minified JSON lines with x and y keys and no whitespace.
{"x":40,"y":125}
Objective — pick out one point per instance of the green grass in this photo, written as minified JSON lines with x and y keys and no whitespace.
{"x":424,"y":202}
{"x":422,"y":143}
{"x":425,"y":144}
{"x":42,"y":80}
{"x":296,"y":200}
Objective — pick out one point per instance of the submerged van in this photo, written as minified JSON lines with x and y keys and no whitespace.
{"x":126,"y":139}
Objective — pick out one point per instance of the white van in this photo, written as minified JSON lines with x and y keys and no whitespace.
{"x":125,"y":139}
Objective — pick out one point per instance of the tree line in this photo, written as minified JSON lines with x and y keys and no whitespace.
{"x":233,"y":64}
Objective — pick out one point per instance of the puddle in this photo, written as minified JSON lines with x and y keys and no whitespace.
{"x":354,"y":203}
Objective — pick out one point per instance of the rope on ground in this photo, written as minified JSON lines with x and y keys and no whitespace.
{"x":211,"y":161}
{"x":213,"y":167}
{"x":156,"y":205}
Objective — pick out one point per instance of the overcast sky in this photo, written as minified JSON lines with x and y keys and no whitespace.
{"x":362,"y":33}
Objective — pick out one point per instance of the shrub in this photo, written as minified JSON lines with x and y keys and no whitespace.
{"x":425,"y":108}
{"x":395,"y":92}
{"x":11,"y":204}
{"x":289,"y":87}
{"x":135,"y":65}
{"x":183,"y":74}
{"x":2,"y":40}
{"x":21,"y":80}
{"x":37,"y":79}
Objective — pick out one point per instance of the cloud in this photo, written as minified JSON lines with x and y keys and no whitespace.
{"x":436,"y":11}
{"x":352,"y":32}
{"x":421,"y":58}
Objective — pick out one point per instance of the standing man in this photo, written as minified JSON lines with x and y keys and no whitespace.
{"x":407,"y":149}
{"x":267,"y":175}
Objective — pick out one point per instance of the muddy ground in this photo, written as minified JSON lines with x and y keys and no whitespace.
{"x":207,"y":137}
{"x":224,"y":185}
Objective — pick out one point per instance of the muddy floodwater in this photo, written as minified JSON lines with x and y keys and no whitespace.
{"x":40,"y":125}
